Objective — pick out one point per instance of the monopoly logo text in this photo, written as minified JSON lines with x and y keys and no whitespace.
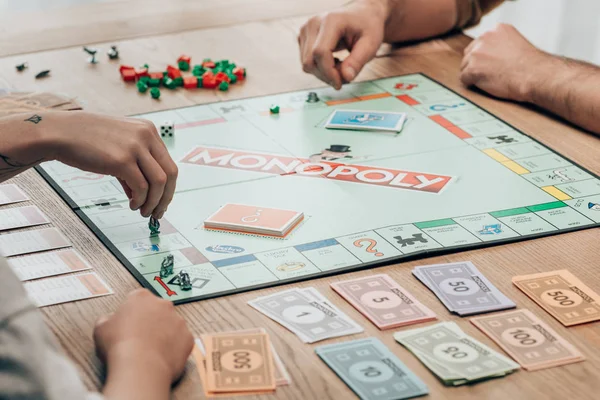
{"x":285,"y":165}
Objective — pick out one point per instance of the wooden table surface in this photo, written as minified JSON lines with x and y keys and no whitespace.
{"x":269,"y":50}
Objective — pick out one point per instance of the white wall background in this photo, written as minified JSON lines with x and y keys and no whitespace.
{"x":567,"y":27}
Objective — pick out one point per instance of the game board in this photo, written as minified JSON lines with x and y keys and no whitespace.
{"x":455,"y":178}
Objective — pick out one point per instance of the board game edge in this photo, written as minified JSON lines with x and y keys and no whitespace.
{"x":322,"y":274}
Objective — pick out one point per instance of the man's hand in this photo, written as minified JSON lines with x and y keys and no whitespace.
{"x":503,"y":63}
{"x":145,"y":345}
{"x":358,"y":28}
{"x":129,"y":149}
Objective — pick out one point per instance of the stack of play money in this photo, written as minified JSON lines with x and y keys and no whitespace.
{"x":453,"y":356}
{"x":383,"y":301}
{"x":462,"y":288}
{"x":371,"y":370}
{"x":307,"y":313}
{"x":238,"y":363}
{"x":562,"y":295}
{"x":528,"y":340}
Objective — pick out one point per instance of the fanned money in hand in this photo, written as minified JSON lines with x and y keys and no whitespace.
{"x":371,"y":370}
{"x":462,"y":288}
{"x":528,"y":340}
{"x":241,"y":362}
{"x":562,"y":295}
{"x":383,"y":301}
{"x":453,"y":356}
{"x":307,"y":313}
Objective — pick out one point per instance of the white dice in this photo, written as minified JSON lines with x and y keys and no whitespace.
{"x":167,"y":128}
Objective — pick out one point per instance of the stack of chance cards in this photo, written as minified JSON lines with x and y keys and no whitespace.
{"x":383,"y":301}
{"x":307,"y":313}
{"x":462,"y":288}
{"x":453,"y":356}
{"x":371,"y":370}
{"x":254,"y":220}
{"x":365,"y":120}
{"x":562,"y":295}
{"x":528,"y":340}
{"x":236,"y":363}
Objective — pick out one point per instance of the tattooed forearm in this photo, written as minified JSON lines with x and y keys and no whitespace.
{"x":10,"y":167}
{"x":34,"y":118}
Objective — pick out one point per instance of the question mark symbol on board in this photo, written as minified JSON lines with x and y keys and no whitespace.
{"x":252,"y":218}
{"x":87,"y":177}
{"x":370,"y":248}
{"x":443,"y":107}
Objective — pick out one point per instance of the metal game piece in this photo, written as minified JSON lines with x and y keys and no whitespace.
{"x":92,"y":53}
{"x":154,"y":226}
{"x":42,"y":74}
{"x":185,"y":281}
{"x":166,"y":267}
{"x":312,"y":98}
{"x":21,"y":67}
{"x":113,"y":53}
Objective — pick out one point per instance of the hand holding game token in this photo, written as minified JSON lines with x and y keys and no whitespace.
{"x":126,"y":148}
{"x":358,"y":28}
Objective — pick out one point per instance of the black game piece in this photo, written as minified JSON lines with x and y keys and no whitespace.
{"x":42,"y":74}
{"x":166,"y":267}
{"x":92,"y":53}
{"x":113,"y":53}
{"x":312,"y":98}
{"x":21,"y":67}
{"x":154,"y":226}
{"x":185,"y":281}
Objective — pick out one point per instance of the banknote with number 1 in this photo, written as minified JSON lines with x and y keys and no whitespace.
{"x":528,"y":340}
{"x":306,"y":313}
{"x":463,"y":288}
{"x":562,"y":295}
{"x":383,"y":301}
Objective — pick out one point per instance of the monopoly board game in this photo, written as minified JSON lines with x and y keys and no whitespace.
{"x":454,"y":178}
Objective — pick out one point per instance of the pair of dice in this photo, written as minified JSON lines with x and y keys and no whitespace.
{"x":167,"y":129}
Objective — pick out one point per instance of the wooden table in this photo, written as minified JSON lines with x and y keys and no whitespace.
{"x":269,"y":50}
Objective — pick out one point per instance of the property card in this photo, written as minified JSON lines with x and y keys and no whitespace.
{"x":14,"y":244}
{"x":254,"y":219}
{"x":43,"y":265}
{"x":562,"y":295}
{"x":371,"y":370}
{"x":307,"y":316}
{"x":528,"y":340}
{"x":46,"y":292}
{"x":366,"y":120}
{"x":21,"y":217}
{"x":10,"y":194}
{"x":452,"y":355}
{"x":239,"y":362}
{"x":462,"y":288}
{"x":383,"y":301}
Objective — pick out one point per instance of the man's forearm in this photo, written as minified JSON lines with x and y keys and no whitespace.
{"x":421,"y":19}
{"x":22,"y":143}
{"x":568,"y":88}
